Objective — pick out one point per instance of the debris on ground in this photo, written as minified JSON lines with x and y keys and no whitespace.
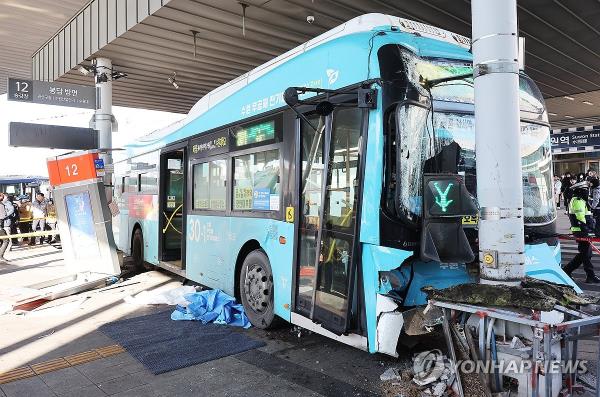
{"x":588,"y":380}
{"x":401,"y":387}
{"x":472,"y":385}
{"x":171,"y":297}
{"x":432,"y":375}
{"x":422,"y":320}
{"x":390,"y":374}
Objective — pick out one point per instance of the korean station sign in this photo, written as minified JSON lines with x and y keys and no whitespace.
{"x":46,"y":93}
{"x":575,"y":139}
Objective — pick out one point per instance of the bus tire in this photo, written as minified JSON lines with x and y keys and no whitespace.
{"x":137,"y":251}
{"x":256,"y":289}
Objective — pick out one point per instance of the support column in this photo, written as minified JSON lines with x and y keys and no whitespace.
{"x":498,"y":141}
{"x":104,"y":116}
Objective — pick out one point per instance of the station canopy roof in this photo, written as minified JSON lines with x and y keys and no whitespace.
{"x":151,"y":39}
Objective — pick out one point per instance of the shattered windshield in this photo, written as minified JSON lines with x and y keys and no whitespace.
{"x":462,"y":91}
{"x":445,"y":141}
{"x":450,"y":147}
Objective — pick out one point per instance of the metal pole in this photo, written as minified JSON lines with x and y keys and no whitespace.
{"x":497,"y":137}
{"x":104,"y":116}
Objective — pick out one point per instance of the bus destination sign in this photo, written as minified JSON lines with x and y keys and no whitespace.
{"x":210,"y":145}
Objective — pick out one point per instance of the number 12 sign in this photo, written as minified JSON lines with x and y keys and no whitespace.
{"x":71,"y":169}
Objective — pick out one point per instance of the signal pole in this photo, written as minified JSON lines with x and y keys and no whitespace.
{"x":104,"y":117}
{"x":498,"y":138}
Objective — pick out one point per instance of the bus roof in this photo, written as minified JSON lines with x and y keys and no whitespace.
{"x":316,"y":63}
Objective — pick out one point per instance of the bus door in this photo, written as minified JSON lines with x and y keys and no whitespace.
{"x":171,"y":198}
{"x":329,"y":184}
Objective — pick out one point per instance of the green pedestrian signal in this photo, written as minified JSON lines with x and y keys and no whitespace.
{"x":445,"y":201}
{"x":442,"y":199}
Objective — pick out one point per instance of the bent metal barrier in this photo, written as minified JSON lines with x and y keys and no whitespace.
{"x":552,"y":341}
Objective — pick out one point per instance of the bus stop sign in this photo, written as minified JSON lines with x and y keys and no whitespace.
{"x":44,"y":92}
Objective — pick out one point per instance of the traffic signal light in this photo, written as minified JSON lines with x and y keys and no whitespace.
{"x":445,"y":201}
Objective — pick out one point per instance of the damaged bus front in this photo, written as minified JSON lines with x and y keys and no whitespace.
{"x":430,"y":129}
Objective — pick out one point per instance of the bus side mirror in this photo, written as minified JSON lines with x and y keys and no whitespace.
{"x":290,"y":96}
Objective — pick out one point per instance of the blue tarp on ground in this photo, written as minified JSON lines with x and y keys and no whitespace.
{"x":212,"y":306}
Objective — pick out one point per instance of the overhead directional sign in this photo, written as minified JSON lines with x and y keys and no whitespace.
{"x":51,"y":136}
{"x":60,"y":94}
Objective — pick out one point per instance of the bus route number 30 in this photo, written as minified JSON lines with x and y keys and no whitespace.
{"x":200,"y":231}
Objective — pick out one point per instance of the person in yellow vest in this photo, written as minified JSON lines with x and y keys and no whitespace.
{"x":51,"y":220}
{"x":581,"y":226}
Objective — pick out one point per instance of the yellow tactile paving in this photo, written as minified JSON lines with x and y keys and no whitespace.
{"x":81,"y":358}
{"x":59,"y":363}
{"x":49,"y":366}
{"x":110,"y":350}
{"x":16,"y":374}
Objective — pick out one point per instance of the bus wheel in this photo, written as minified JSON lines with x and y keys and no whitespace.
{"x":137,"y":251}
{"x":256,"y":284}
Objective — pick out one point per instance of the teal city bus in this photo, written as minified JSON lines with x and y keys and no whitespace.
{"x":307,"y":208}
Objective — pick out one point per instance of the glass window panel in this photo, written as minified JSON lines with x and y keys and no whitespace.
{"x":343,"y":169}
{"x":218,"y":190}
{"x":335,"y":259}
{"x":311,"y":153}
{"x":256,"y":181}
{"x":201,"y":185}
{"x":209,"y":191}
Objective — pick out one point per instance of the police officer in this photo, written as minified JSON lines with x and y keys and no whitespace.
{"x":581,"y":226}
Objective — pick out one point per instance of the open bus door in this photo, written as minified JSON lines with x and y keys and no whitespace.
{"x":328,"y":197}
{"x":173,"y":169}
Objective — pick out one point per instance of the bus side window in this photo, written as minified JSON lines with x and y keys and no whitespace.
{"x":209,"y":189}
{"x":256,"y":181}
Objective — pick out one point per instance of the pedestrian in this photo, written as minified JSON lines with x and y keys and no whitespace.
{"x":557,"y":190}
{"x":594,"y":202}
{"x":51,"y":221}
{"x":39,"y":211}
{"x":9,"y":215}
{"x":3,"y":242}
{"x":25,"y":215}
{"x":14,"y":227}
{"x":581,"y":220}
{"x":567,"y":193}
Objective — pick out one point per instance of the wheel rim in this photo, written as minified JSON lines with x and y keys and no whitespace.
{"x":257,"y":289}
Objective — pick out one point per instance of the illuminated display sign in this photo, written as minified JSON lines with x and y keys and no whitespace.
{"x":209,"y":145}
{"x":444,"y":197}
{"x":446,"y":204}
{"x":442,"y":193}
{"x":255,"y":133}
